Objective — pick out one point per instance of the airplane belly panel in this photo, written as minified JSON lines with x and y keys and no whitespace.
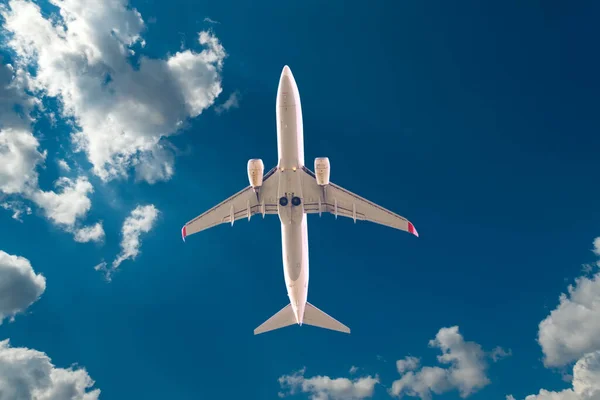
{"x":291,"y":236}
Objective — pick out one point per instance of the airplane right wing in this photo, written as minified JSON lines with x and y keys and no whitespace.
{"x":243,"y":204}
{"x":342,"y":202}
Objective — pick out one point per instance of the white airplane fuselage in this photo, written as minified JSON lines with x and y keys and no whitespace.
{"x":294,"y":233}
{"x":292,"y":191}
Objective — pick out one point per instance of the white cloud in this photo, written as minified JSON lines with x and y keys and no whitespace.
{"x":20,"y":157}
{"x":63,"y":165}
{"x":93,"y":233}
{"x":233,"y":101}
{"x":140,"y":221}
{"x":17,"y":207}
{"x":324,"y":388}
{"x":68,"y":204}
{"x":121,"y":113}
{"x":27,"y":374}
{"x":586,"y":382}
{"x":572,"y":333}
{"x":19,"y":154}
{"x":20,"y":286}
{"x":407,"y":364}
{"x":211,"y":21}
{"x":499,"y":353}
{"x":466,"y":373}
{"x":573,"y":328}
{"x":597,"y":246}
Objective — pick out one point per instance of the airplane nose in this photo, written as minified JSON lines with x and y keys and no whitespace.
{"x":287,"y":92}
{"x":286,"y":71}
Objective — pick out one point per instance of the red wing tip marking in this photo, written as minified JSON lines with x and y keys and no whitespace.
{"x":411,"y":229}
{"x":183,"y":233}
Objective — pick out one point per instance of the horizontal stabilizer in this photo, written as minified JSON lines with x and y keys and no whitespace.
{"x":315,"y":317}
{"x":285,"y":317}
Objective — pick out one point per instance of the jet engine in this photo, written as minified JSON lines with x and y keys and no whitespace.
{"x":322,"y":170}
{"x":256,"y":169}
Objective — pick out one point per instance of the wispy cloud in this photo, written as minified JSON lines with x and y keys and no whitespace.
{"x":499,"y":353}
{"x":211,"y":21}
{"x":17,"y":207}
{"x":63,"y":165}
{"x":233,"y":101}
{"x":141,"y":220}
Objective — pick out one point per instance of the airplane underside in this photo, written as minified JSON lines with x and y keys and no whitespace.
{"x":291,"y":191}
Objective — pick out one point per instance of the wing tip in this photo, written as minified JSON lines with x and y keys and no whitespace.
{"x":183,"y":233}
{"x":412,"y":229}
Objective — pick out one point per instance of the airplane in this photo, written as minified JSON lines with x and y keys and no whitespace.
{"x":292,"y":191}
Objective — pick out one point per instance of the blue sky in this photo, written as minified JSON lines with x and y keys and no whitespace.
{"x":478,"y":123}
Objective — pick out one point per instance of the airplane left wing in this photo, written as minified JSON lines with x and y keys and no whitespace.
{"x":339,"y":201}
{"x":243,"y":204}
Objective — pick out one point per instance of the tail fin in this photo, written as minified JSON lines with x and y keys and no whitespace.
{"x":285,"y":317}
{"x":315,"y":317}
{"x":312,"y":316}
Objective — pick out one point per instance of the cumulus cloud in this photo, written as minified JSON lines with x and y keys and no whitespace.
{"x":573,"y":328}
{"x":407,"y":364}
{"x":20,"y":157}
{"x":121,"y":113}
{"x":20,"y":286}
{"x":324,"y":388}
{"x":19,"y":153}
{"x":586,"y":382}
{"x":27,"y":374}
{"x":140,"y":221}
{"x":466,"y":372}
{"x":15,"y":103}
{"x":572,"y":333}
{"x":233,"y":101}
{"x":596,"y":249}
{"x":93,"y":233}
{"x":68,"y":203}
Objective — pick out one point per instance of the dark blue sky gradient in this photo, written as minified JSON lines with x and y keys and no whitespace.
{"x":478,"y":122}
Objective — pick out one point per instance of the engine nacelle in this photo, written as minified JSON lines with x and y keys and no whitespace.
{"x":256,"y":170}
{"x":322,"y":170}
